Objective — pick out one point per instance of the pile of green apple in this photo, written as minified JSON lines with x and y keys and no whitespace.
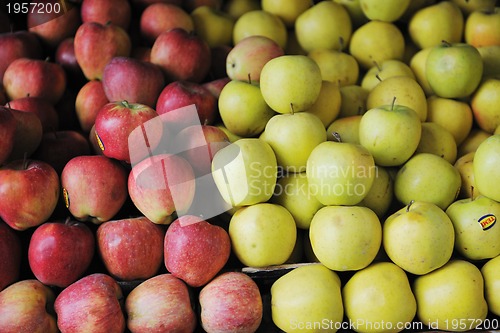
{"x":350,"y":147}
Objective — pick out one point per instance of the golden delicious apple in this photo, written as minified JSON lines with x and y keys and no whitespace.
{"x":386,"y":11}
{"x":486,"y":171}
{"x":286,"y":10}
{"x":430,"y":25}
{"x":290,"y":83}
{"x":345,"y":238}
{"x":485,"y":102}
{"x":372,"y":295}
{"x":327,"y":105}
{"x":406,"y":92}
{"x":307,"y":299}
{"x":380,"y":72}
{"x":236,"y":8}
{"x":213,"y":25}
{"x":381,"y":194}
{"x":340,"y":173}
{"x":376,"y":41}
{"x":245,"y":172}
{"x":336,"y":66}
{"x":437,"y":140}
{"x":482,"y":27}
{"x":417,"y":64}
{"x":352,"y":100}
{"x":455,"y":116}
{"x":347,"y":128}
{"x":419,"y":238}
{"x":260,"y":22}
{"x":477,"y":233}
{"x":451,"y":298}
{"x":491,"y":61}
{"x":391,"y":133}
{"x":353,"y":7}
{"x":472,"y":141}
{"x":262,"y":234}
{"x":464,"y":165}
{"x":326,"y":25}
{"x":427,"y":177}
{"x":491,"y":276}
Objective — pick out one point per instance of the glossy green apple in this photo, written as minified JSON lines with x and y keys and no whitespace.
{"x":347,"y":128}
{"x":485,"y":164}
{"x":336,"y":66}
{"x":386,"y":11}
{"x":491,"y":276}
{"x":260,"y":22}
{"x":417,"y":65}
{"x":286,"y":10}
{"x":213,"y":25}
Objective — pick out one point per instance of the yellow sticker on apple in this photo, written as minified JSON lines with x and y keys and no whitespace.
{"x":99,"y":141}
{"x":487,"y":221}
{"x":66,"y":197}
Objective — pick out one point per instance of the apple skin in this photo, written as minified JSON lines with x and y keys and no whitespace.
{"x":115,"y":11}
{"x":29,"y":191}
{"x":160,"y":304}
{"x":195,"y":250}
{"x":94,"y":187}
{"x":8,"y":126}
{"x":92,"y":57}
{"x":35,"y":78}
{"x":215,"y":86}
{"x":131,"y":249}
{"x":89,"y":100}
{"x":65,"y":56}
{"x":231,"y":303}
{"x":161,"y":16}
{"x":41,"y":107}
{"x":60,"y":253}
{"x":178,"y":94}
{"x":132,"y":80}
{"x":18,"y":44}
{"x":10,"y":255}
{"x":27,"y":306}
{"x":91,"y":304}
{"x":181,"y":55}
{"x":28,"y":133}
{"x":481,"y":28}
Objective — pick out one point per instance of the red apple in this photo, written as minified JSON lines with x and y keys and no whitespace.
{"x":35,"y":78}
{"x":65,"y":56}
{"x":53,"y":26}
{"x":10,"y":255}
{"x":27,"y":306}
{"x":215,"y":86}
{"x":29,"y":191}
{"x":8,"y":126}
{"x":179,"y":94}
{"x":195,"y":250}
{"x":89,"y":100}
{"x":159,"y":17}
{"x":132,"y":80}
{"x":28,"y":133}
{"x":231,"y":302}
{"x":160,"y":304}
{"x":41,"y":107}
{"x":58,"y":147}
{"x":120,"y":128}
{"x":161,"y":185}
{"x":60,"y":253}
{"x":15,"y":45}
{"x":181,"y":55}
{"x":94,"y":187}
{"x":115,"y":11}
{"x":96,"y":44}
{"x":131,"y":249}
{"x":91,"y":304}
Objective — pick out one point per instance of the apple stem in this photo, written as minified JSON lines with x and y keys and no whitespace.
{"x":25,"y":161}
{"x":341,"y":42}
{"x":291,"y":108}
{"x":472,"y":193}
{"x":378,"y":77}
{"x":249,"y":78}
{"x":336,"y":136}
{"x":409,"y":205}
{"x":378,"y":66}
{"x":393,"y":102}
{"x":125,"y":104}
{"x":446,"y":43}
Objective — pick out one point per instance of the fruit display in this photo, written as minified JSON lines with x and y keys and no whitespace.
{"x":248,"y":166}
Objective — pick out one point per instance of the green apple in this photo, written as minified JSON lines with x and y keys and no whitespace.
{"x":486,"y":171}
{"x":372,"y":294}
{"x":491,"y":61}
{"x":432,"y":24}
{"x":236,"y":8}
{"x":413,"y":7}
{"x":336,"y":66}
{"x":427,"y":177}
{"x":380,"y":72}
{"x":352,"y":100}
{"x":391,"y":133}
{"x":325,"y":25}
{"x":307,"y":295}
{"x":292,"y":137}
{"x":376,"y":41}
{"x":260,"y":22}
{"x":327,"y":105}
{"x":472,"y":141}
{"x":401,"y":90}
{"x":476,"y":229}
{"x":243,"y":109}
{"x":417,"y":65}
{"x":454,"y":70}
{"x":451,"y":298}
{"x":345,"y":238}
{"x":347,"y":128}
{"x":482,"y":27}
{"x":262,"y":234}
{"x":437,"y":140}
{"x":245,"y":60}
{"x":465,"y":166}
{"x":213,"y":25}
{"x":386,"y":11}
{"x":491,"y":276}
{"x":245,"y":172}
{"x":485,"y":102}
{"x":340,"y":173}
{"x":419,"y":238}
{"x":468,"y":6}
{"x":454,"y":115}
{"x":381,"y":194}
{"x":286,"y":10}
{"x":290,"y":83}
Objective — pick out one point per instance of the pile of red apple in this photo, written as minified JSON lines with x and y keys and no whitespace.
{"x":110,"y":117}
